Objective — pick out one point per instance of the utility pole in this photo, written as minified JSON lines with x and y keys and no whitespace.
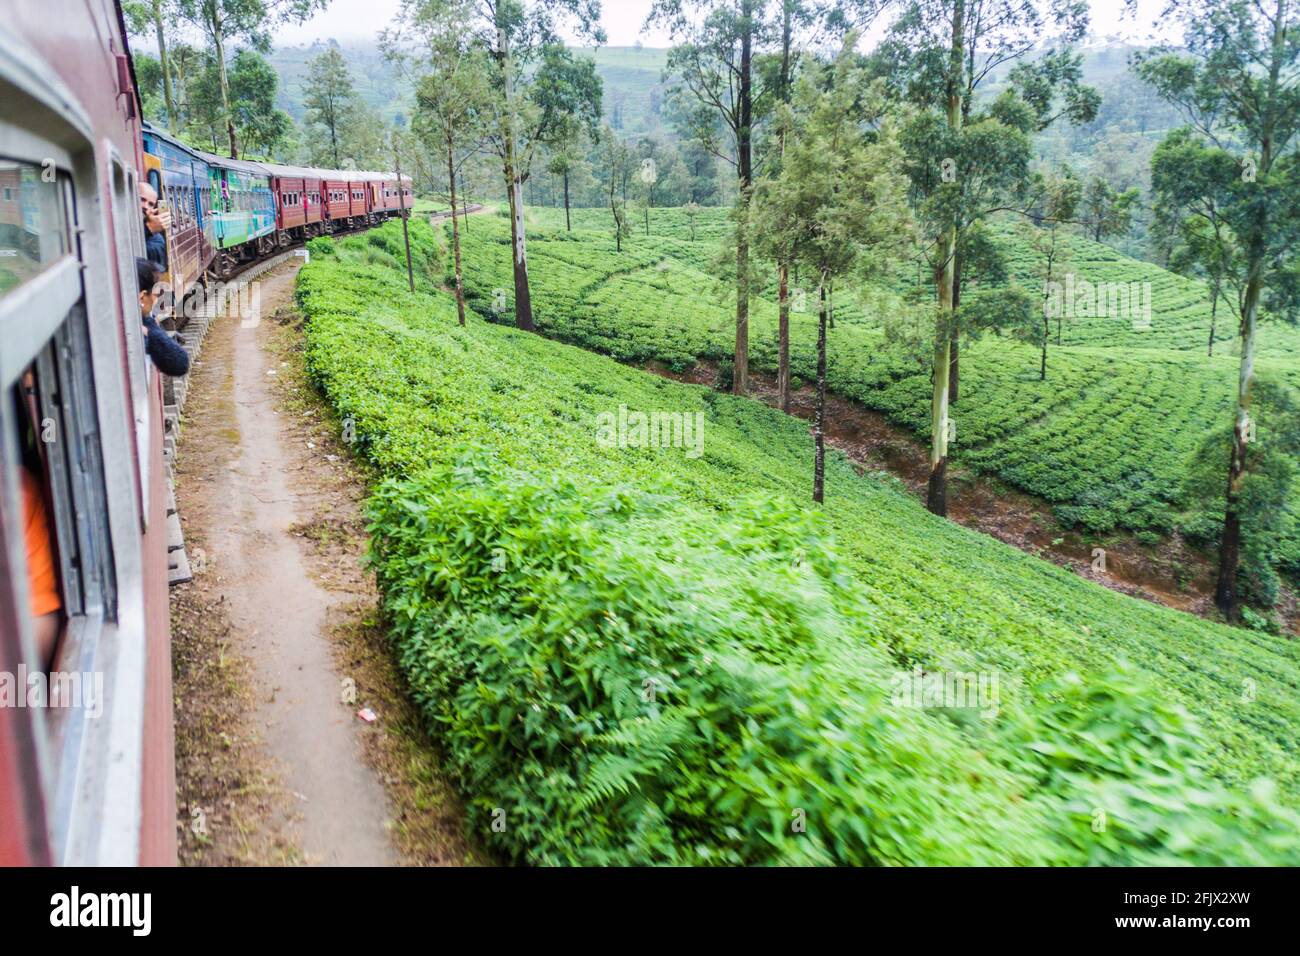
{"x":401,"y":198}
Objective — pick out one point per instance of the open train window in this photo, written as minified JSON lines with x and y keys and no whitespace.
{"x":51,"y":469}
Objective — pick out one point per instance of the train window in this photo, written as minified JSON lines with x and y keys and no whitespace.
{"x":33,"y":227}
{"x":48,"y":416}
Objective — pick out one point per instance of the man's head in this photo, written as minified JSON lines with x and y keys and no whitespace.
{"x":148,"y":199}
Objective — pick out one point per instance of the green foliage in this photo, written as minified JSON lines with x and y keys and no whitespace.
{"x":536,"y":581}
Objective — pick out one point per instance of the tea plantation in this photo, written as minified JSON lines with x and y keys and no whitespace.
{"x":637,"y":655}
{"x":1106,"y":440}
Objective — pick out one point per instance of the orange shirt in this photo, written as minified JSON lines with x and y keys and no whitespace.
{"x":41,"y":579}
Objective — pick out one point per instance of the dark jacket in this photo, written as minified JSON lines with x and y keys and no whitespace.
{"x":167,"y":354}
{"x":155,"y":248}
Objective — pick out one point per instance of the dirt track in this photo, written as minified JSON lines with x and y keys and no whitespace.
{"x":271,"y":749}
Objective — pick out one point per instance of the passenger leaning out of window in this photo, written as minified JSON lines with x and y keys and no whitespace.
{"x":156,"y":222}
{"x":167,"y":354}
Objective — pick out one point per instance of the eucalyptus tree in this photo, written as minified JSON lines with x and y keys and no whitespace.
{"x":245,"y":21}
{"x":1107,"y":211}
{"x":143,"y":16}
{"x":838,"y":205}
{"x":938,"y":54}
{"x":1059,"y":197}
{"x":712,"y":61}
{"x":522,"y":42}
{"x":430,"y":42}
{"x":1236,"y":165}
{"x":328,"y":97}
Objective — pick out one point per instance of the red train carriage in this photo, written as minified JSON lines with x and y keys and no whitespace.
{"x":86,"y":779}
{"x":337,"y":202}
{"x":291,"y":204}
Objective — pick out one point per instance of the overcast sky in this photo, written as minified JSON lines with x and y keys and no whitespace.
{"x":623,"y":21}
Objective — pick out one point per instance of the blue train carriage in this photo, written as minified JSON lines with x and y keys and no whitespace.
{"x":180,"y":176}
{"x":243,"y":211}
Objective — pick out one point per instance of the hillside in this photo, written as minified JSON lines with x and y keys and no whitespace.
{"x":1106,"y":440}
{"x":538,"y":582}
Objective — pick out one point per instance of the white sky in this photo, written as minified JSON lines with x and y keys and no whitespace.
{"x":623,"y":21}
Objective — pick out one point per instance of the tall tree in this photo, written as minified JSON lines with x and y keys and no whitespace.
{"x":1107,"y":211}
{"x":431,"y":38}
{"x":938,"y":53}
{"x":522,"y":40}
{"x":1060,"y":196}
{"x":713,"y":59}
{"x":329,"y":97}
{"x":223,"y":21}
{"x":1237,"y":80}
{"x":838,"y":205}
{"x":618,"y":162}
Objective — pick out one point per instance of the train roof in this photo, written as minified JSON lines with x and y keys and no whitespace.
{"x":150,"y":130}
{"x":243,"y":165}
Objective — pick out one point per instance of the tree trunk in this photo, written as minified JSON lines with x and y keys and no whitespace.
{"x":165,"y":65}
{"x":819,"y":419}
{"x":1214,"y":314}
{"x":455,"y":229}
{"x":1042,"y":366}
{"x":1225,"y":592}
{"x":744,"y":165}
{"x":464,"y":205}
{"x":568,"y":223}
{"x":523,"y":298}
{"x":937,"y":492}
{"x":514,"y":188}
{"x":954,"y":371}
{"x":783,"y":336}
{"x":219,"y":43}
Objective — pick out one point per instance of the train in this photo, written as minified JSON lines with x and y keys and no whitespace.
{"x":87,"y":771}
{"x":228,"y":212}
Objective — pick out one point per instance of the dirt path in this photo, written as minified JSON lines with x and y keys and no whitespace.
{"x":276,"y":759}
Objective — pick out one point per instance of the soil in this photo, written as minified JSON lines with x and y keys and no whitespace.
{"x":1171,"y":573}
{"x":279,"y":640}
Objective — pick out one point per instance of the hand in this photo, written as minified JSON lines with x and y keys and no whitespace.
{"x":158,"y":220}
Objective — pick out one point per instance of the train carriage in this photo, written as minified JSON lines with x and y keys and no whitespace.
{"x":181,"y":177}
{"x":243,"y":210}
{"x":358,"y":208}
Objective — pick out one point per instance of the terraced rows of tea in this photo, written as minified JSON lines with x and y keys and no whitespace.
{"x":652,"y":654}
{"x":1106,"y":439}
